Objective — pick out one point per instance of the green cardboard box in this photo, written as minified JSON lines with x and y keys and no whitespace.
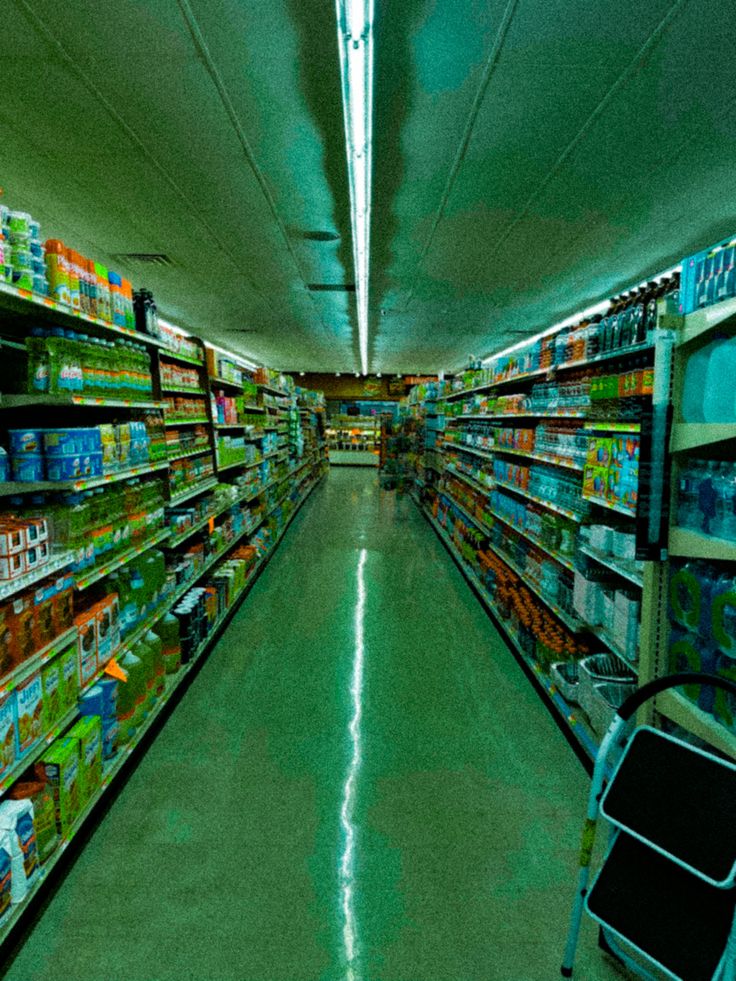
{"x":51,"y":683}
{"x":69,"y":679}
{"x":62,"y":768}
{"x":89,"y":733}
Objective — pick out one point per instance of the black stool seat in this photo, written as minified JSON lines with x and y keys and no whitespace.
{"x":678,"y":919}
{"x":678,"y":800}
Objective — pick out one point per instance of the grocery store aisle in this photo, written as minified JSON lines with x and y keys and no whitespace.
{"x":359,"y":785}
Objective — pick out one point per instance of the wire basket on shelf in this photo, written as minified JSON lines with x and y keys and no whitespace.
{"x":566,"y":676}
{"x":599,"y":668}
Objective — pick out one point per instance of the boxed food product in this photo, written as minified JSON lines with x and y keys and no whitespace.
{"x":22,"y":645}
{"x":63,"y":604}
{"x":12,"y":566}
{"x":30,"y":712}
{"x":8,"y":730}
{"x":12,"y":538}
{"x":86,"y":624}
{"x":108,"y":628}
{"x":43,"y":618}
{"x":16,"y":821}
{"x":61,"y":768}
{"x":6,"y":652}
{"x":51,"y":683}
{"x":68,"y":678}
{"x":88,"y":731}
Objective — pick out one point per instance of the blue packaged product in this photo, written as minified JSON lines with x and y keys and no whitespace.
{"x":110,"y":732}
{"x":25,"y":441}
{"x":27,"y":467}
{"x":109,"y":688}
{"x":92,"y":702}
{"x":67,"y":442}
{"x":5,"y":876}
{"x":74,"y":465}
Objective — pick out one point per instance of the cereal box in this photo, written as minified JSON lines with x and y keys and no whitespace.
{"x":51,"y":682}
{"x":89,"y":733}
{"x":30,"y":712}
{"x":87,"y":641}
{"x":8,"y":729}
{"x":61,"y":765}
{"x":68,"y":678}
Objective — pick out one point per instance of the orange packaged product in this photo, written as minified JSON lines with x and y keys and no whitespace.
{"x":22,"y":644}
{"x":6,"y":658}
{"x":86,"y":624}
{"x":62,"y":605}
{"x":43,"y":619}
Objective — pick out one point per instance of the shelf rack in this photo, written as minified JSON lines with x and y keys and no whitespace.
{"x":174,"y":687}
{"x":193,"y":491}
{"x":622,"y":568}
{"x":53,"y":401}
{"x":572,"y":724}
{"x":56,"y":563}
{"x":566,"y":512}
{"x":88,"y":578}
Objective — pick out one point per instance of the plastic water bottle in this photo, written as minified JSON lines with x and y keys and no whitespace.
{"x":688,"y":507}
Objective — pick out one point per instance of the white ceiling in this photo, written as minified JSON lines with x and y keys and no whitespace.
{"x":531,"y":157}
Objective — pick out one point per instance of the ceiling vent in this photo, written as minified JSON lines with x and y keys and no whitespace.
{"x":331,"y":287}
{"x":144,"y":258}
{"x":321,"y":236}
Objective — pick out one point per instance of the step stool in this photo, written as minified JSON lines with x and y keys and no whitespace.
{"x":667,"y":886}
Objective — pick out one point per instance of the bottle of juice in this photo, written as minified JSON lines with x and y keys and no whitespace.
{"x":74,"y":288}
{"x":91,"y":279}
{"x":116,"y":296}
{"x":39,"y":366}
{"x":57,"y":270}
{"x":128,"y":309}
{"x":104,"y":307}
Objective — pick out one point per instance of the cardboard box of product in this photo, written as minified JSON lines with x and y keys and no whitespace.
{"x":6,"y":639}
{"x":51,"y":684}
{"x":88,"y":731}
{"x":8,"y":732}
{"x":63,"y":608}
{"x":69,"y":678}
{"x":86,"y":624}
{"x":108,"y":628}
{"x":22,"y":645}
{"x":61,"y":767}
{"x":30,"y":712}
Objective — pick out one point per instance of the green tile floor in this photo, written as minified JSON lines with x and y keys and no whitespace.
{"x":360,"y":785}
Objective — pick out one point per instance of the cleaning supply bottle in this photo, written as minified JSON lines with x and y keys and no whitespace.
{"x":131,"y":694}
{"x":168,"y":630}
{"x":159,"y":677}
{"x":147,"y":656}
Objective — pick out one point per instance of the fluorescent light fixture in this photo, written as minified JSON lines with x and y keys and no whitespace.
{"x":337,"y":374}
{"x":243,"y":362}
{"x":355,"y":41}
{"x":174,"y":327}
{"x":301,"y":374}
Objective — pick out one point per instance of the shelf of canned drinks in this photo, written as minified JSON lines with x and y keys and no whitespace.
{"x":27,"y":401}
{"x":87,"y":578}
{"x":56,"y":562}
{"x":84,"y":483}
